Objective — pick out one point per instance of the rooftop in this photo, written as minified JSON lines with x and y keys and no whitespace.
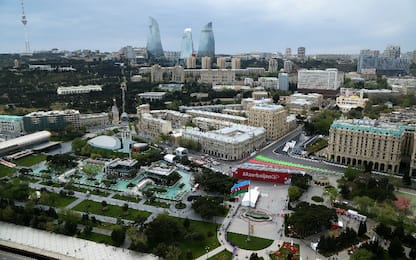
{"x":236,"y":133}
{"x":11,"y":118}
{"x":269,"y":107}
{"x":53,"y":112}
{"x":368,"y":125}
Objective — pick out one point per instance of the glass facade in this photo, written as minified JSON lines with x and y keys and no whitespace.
{"x":187,"y":47}
{"x":207,"y":42}
{"x":154,"y":45}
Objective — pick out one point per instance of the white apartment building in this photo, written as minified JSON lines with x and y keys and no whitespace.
{"x":152,"y":96}
{"x":78,"y":89}
{"x":319,"y":79}
{"x":269,"y":82}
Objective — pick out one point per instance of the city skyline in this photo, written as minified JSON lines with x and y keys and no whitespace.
{"x":321,"y":26}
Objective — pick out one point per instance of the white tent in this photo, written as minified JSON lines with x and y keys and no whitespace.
{"x":250,"y":198}
{"x":169,"y":158}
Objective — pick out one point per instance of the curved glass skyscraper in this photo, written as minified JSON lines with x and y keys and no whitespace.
{"x":154,"y":45}
{"x":187,"y":47}
{"x":207,"y":42}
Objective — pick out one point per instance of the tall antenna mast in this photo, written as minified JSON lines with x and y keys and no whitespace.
{"x":24,"y":22}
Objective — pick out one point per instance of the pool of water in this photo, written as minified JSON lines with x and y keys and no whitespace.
{"x":121,"y":185}
{"x":175,"y":192}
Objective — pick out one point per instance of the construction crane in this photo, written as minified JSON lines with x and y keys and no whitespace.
{"x":24,"y":22}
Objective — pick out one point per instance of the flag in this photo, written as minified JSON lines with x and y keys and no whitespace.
{"x":239,"y":188}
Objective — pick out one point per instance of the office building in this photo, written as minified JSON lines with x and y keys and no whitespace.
{"x":376,"y":145}
{"x":187,"y":46}
{"x":122,"y":168}
{"x":319,"y":79}
{"x":154,"y":44}
{"x":207,"y":42}
{"x":273,"y":65}
{"x":55,"y":120}
{"x":389,"y":63}
{"x":283,"y":81}
{"x":230,"y":143}
{"x":271,"y":117}
{"x":221,"y":63}
{"x":11,"y":125}
{"x":235,"y":63}
{"x":301,"y":53}
{"x":206,"y":62}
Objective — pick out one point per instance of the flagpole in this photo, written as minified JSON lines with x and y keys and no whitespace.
{"x":249,"y":206}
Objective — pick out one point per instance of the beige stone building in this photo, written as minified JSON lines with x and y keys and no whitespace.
{"x":383,"y":147}
{"x":152,"y":126}
{"x":271,"y":117}
{"x":235,"y":63}
{"x":350,"y":99}
{"x":230,"y":143}
{"x":218,"y":116}
{"x":206,"y":62}
{"x":221,"y":63}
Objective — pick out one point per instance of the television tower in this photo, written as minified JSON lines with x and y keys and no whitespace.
{"x":24,"y":22}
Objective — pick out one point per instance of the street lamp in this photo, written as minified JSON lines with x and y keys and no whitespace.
{"x":207,"y":250}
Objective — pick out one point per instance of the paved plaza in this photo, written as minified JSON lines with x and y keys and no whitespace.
{"x":272,"y":200}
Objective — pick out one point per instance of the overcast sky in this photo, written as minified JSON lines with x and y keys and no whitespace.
{"x":322,"y":26}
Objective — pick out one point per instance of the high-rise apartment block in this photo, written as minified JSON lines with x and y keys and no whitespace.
{"x":235,"y":63}
{"x":318,"y":79}
{"x":206,"y":62}
{"x":191,"y":62}
{"x":288,"y":53}
{"x":301,"y":53}
{"x":273,"y":65}
{"x":288,"y":66}
{"x":271,"y":117}
{"x":392,"y":51}
{"x":221,"y":62}
{"x":283,"y":81}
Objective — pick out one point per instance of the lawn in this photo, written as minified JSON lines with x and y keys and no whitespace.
{"x":126,"y":198}
{"x":6,"y":171}
{"x":99,"y":238}
{"x":55,"y":200}
{"x":31,"y":160}
{"x":159,"y":204}
{"x":110,"y":210}
{"x":223,"y":255}
{"x":198,"y":247}
{"x":255,"y":243}
{"x":79,"y":189}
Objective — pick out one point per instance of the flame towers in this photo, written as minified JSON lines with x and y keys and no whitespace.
{"x":207,"y":42}
{"x":154,"y":45}
{"x":187,"y":47}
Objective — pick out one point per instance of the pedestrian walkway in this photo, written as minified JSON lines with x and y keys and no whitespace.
{"x":74,"y":203}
